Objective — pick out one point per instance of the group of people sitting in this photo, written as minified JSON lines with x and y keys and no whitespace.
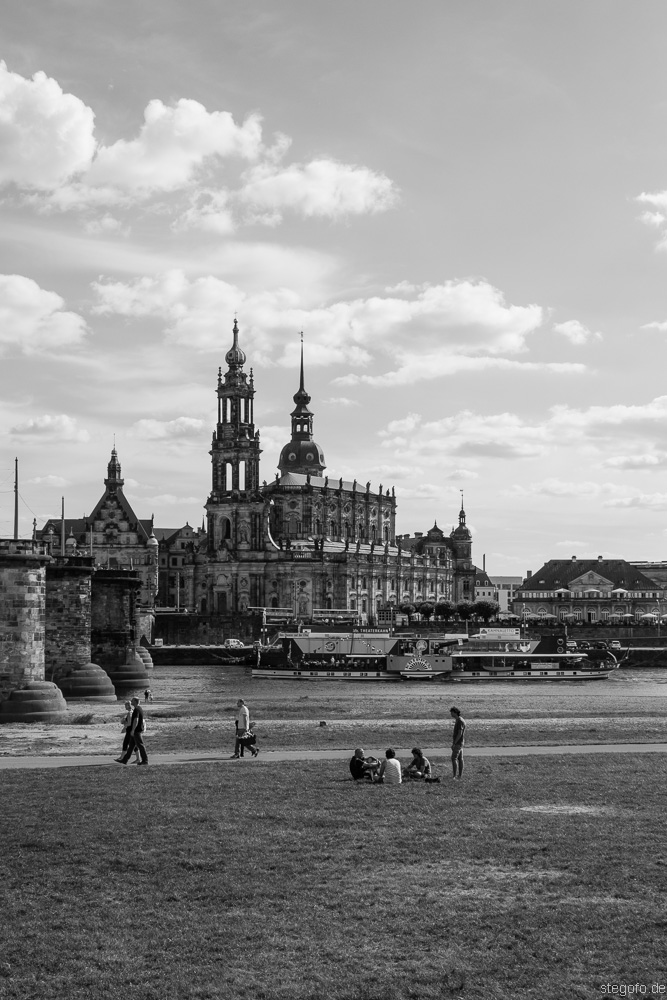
{"x":389,"y":771}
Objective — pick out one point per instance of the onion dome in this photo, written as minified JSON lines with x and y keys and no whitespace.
{"x":235,"y":357}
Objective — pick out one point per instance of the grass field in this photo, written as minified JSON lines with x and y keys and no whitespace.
{"x":534,"y":877}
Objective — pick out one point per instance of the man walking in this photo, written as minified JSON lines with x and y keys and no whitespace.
{"x":243,"y":731}
{"x":137,"y":729}
{"x":458,"y":741}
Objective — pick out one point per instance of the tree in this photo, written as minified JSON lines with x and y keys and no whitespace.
{"x":407,"y":609}
{"x":445,"y":609}
{"x":486,"y":609}
{"x":465,"y":610}
{"x":426,"y":610}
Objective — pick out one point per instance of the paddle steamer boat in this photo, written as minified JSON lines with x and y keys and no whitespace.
{"x":370,"y":656}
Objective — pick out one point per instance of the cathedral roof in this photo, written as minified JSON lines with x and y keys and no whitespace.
{"x":298,"y":479}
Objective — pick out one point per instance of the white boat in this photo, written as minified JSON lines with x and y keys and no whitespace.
{"x":368,"y":656}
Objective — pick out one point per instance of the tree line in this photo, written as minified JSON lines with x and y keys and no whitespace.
{"x":446,"y":610}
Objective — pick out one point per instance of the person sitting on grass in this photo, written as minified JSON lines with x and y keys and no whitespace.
{"x":362,"y":766}
{"x":419,"y":767}
{"x":390,"y":769}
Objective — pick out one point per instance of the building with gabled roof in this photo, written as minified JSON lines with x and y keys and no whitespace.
{"x":112,"y":533}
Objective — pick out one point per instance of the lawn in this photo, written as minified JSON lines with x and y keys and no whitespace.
{"x":534,"y":877}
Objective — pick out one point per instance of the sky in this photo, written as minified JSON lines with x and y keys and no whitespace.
{"x":462,"y":206}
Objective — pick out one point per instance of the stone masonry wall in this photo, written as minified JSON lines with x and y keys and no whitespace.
{"x":113,"y":616}
{"x":68,"y":614}
{"x":22,"y":613}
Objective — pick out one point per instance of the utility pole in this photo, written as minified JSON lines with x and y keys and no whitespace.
{"x":16,"y":499}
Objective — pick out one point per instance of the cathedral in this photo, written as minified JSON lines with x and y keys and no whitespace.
{"x":303,"y":543}
{"x":307,"y":542}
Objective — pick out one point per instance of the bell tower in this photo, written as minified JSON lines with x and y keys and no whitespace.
{"x":235,"y":505}
{"x":235,"y":448}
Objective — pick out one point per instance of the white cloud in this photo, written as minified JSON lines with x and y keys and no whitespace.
{"x":173,"y":143}
{"x":49,"y":150}
{"x":57,"y":428}
{"x":461,"y":474}
{"x":576,"y":332}
{"x":648,"y":460}
{"x":614,"y":423}
{"x":643,"y":501}
{"x":47,"y":481}
{"x":157,"y":430}
{"x":341,"y":401}
{"x":554,"y":487}
{"x":654,"y":219}
{"x":322,"y":187}
{"x":444,"y":325}
{"x":655,"y":325}
{"x":33,"y":319}
{"x":466,"y":434}
{"x":46,"y":136}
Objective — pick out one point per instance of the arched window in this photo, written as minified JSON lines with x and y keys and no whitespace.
{"x":274,"y":602}
{"x":225,"y":528}
{"x":227,"y":486}
{"x":332,"y":528}
{"x":242,"y":485}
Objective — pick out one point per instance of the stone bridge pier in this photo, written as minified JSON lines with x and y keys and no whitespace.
{"x":25,"y":694}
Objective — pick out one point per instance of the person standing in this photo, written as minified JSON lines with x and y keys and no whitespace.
{"x":128,"y":742}
{"x":458,"y":741}
{"x":137,"y":729}
{"x":243,"y":731}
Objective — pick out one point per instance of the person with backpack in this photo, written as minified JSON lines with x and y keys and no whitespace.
{"x":137,"y":729}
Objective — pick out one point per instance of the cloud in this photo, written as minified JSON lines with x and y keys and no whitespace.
{"x":222,"y":169}
{"x":615,"y":423}
{"x":57,"y":428}
{"x":643,"y":501}
{"x":33,"y":319}
{"x":341,"y":401}
{"x":655,"y":325}
{"x":452,"y":327}
{"x":431,"y":366}
{"x":576,"y":332}
{"x":558,"y":488}
{"x":46,"y":136}
{"x":461,"y":474}
{"x":502,"y":435}
{"x":648,"y":460}
{"x":322,"y":188}
{"x":158,"y":430}
{"x":47,"y":481}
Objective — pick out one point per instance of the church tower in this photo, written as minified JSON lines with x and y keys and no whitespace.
{"x":464,"y":570}
{"x":235,"y":503}
{"x":302,"y":454}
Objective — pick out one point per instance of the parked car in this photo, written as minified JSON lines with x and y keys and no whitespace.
{"x":600,"y":645}
{"x":571,"y":645}
{"x":615,"y":645}
{"x":233,"y":644}
{"x":583,"y":645}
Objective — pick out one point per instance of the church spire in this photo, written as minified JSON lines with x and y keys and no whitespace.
{"x":302,"y":454}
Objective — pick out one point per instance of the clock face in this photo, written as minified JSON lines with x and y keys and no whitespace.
{"x":292,"y":456}
{"x":310,"y":456}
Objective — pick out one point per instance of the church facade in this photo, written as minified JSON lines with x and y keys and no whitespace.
{"x":306,"y":541}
